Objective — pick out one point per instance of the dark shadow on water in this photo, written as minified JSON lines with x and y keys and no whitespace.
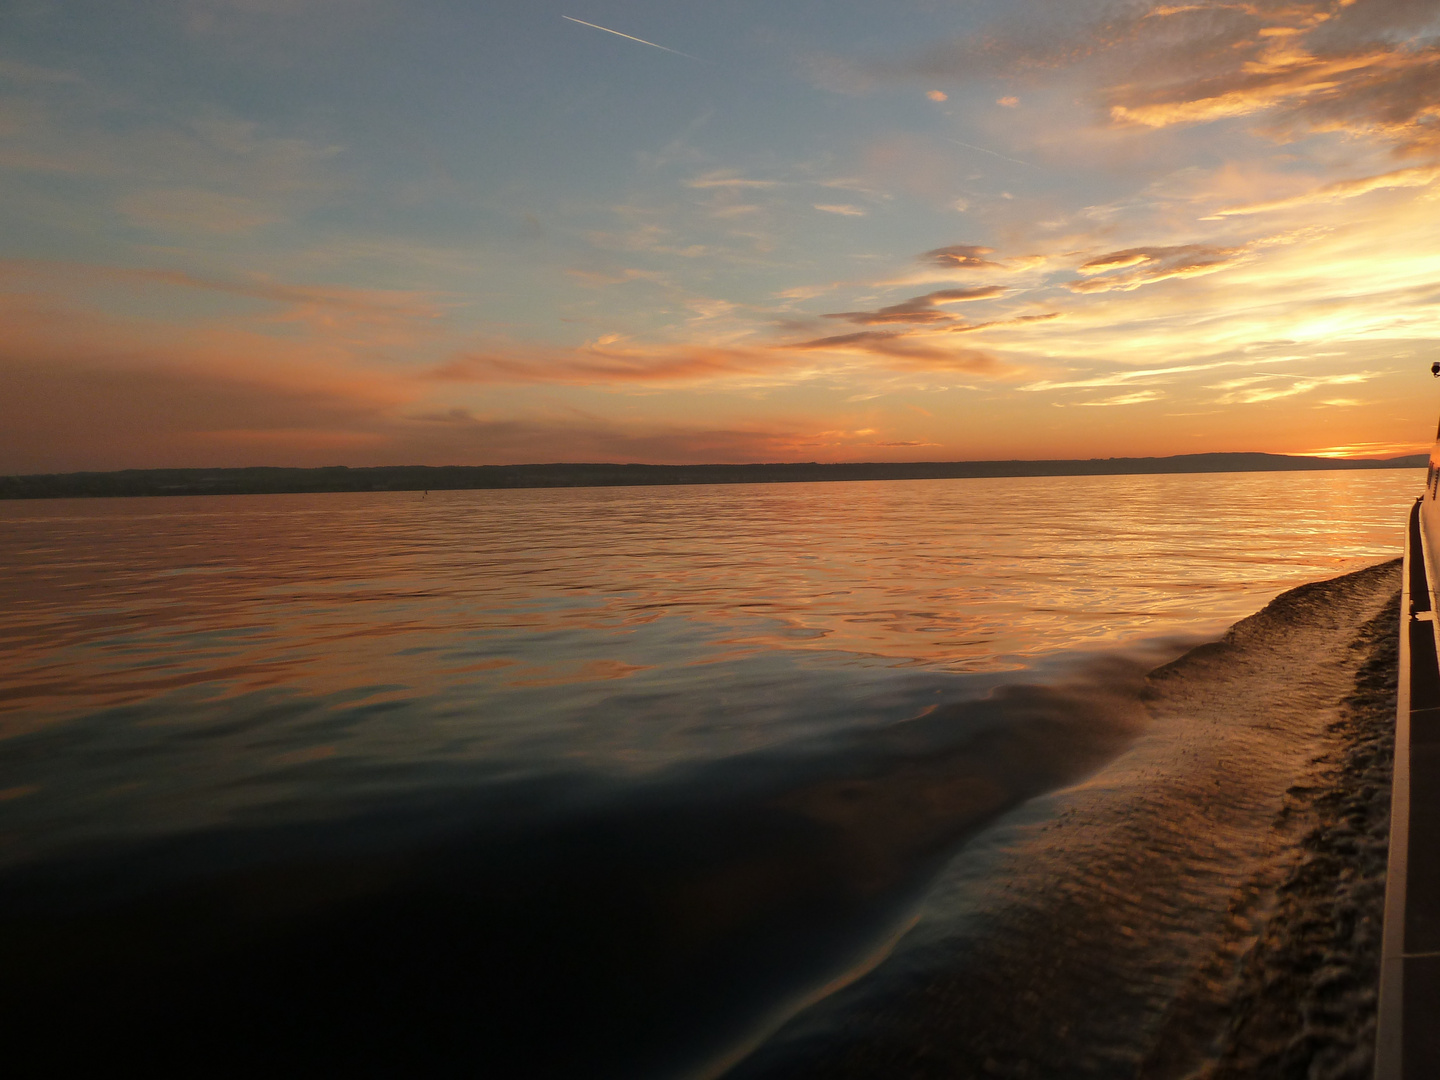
{"x":557,"y":927}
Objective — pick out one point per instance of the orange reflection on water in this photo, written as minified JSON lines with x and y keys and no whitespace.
{"x":183,"y":660}
{"x":114,"y":601}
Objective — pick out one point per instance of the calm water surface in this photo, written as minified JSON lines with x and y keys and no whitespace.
{"x":594,"y":743}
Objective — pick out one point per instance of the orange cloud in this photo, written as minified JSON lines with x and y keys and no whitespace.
{"x":608,"y":359}
{"x":1368,"y":450}
{"x":907,"y":350}
{"x":460,"y":436}
{"x":1260,"y":388}
{"x":1419,"y":176}
{"x":1018,"y":320}
{"x":1369,"y":69}
{"x":373,"y":304}
{"x":1137,"y":398}
{"x":1152,"y":264}
{"x":726,"y":180}
{"x":95,"y":410}
{"x":87,"y":390}
{"x":919,"y":309}
{"x":84,"y":387}
{"x":1366,"y":69}
{"x":961,"y":257}
{"x":1276,"y":77}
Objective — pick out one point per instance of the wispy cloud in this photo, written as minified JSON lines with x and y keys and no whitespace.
{"x":1145,"y":266}
{"x":1016,"y":320}
{"x":66,"y":278}
{"x":610,"y":359}
{"x":85,"y":388}
{"x":919,"y":309}
{"x":1124,"y":376}
{"x":1368,"y":69}
{"x":460,"y":435}
{"x":1137,"y":398}
{"x":1367,"y":450}
{"x":602,"y":278}
{"x":196,"y":210}
{"x":1417,"y":176}
{"x":908,"y":350}
{"x":961,"y":257}
{"x":725,"y":180}
{"x":1124,"y":255}
{"x":1264,"y":388}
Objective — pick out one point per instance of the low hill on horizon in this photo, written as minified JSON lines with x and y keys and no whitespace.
{"x":280,"y":480}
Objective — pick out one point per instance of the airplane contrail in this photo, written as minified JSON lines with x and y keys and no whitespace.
{"x":992,"y":153}
{"x":632,"y":37}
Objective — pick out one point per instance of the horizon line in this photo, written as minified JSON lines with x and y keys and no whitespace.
{"x":617,"y":463}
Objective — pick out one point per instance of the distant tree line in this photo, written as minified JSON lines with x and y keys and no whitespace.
{"x":266,"y":480}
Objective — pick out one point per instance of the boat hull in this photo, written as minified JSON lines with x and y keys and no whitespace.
{"x":1407,"y":1037}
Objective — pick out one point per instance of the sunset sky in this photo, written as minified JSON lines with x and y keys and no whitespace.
{"x":362,"y":232}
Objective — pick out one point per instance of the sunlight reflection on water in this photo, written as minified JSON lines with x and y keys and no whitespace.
{"x":574,"y":782}
{"x":246,"y":649}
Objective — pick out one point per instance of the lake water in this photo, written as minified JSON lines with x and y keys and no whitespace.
{"x":564,"y":782}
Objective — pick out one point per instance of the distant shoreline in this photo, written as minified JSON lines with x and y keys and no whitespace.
{"x":278,"y":480}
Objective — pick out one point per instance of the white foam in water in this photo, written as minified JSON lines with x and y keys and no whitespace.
{"x":1100,"y":930}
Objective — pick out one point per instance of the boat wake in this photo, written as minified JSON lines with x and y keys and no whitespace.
{"x":1208,"y":904}
{"x":1119,"y":836}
